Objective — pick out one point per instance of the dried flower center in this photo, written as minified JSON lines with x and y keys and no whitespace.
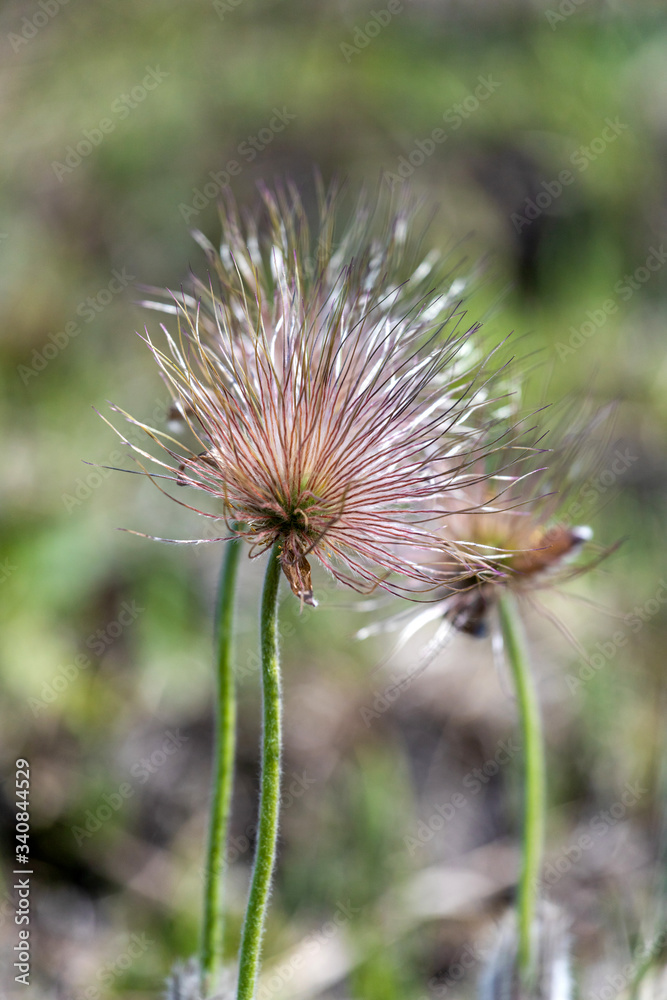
{"x":296,"y":510}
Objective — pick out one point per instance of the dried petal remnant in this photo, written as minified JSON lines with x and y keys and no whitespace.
{"x":298,"y":574}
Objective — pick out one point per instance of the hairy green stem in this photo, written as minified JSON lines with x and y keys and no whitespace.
{"x":269,"y":804}
{"x":534,"y":790}
{"x":212,"y":946}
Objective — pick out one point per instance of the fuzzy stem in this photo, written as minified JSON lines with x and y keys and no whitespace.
{"x":534,"y":791}
{"x":267,"y":833}
{"x":212,"y":949}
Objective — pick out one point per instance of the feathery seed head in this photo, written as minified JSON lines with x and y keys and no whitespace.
{"x":519,"y":521}
{"x":320,"y":377}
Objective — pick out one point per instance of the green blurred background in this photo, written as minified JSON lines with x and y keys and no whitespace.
{"x":114,"y":118}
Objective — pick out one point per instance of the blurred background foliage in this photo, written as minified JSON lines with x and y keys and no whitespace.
{"x":382,"y":901}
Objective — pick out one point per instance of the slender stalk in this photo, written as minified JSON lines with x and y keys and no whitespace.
{"x":534,"y":790}
{"x":212,"y":946}
{"x":269,"y":804}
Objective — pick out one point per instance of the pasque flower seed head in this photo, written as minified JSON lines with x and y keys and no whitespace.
{"x":320,"y":376}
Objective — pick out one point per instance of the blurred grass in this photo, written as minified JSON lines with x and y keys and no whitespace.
{"x":70,"y":570}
